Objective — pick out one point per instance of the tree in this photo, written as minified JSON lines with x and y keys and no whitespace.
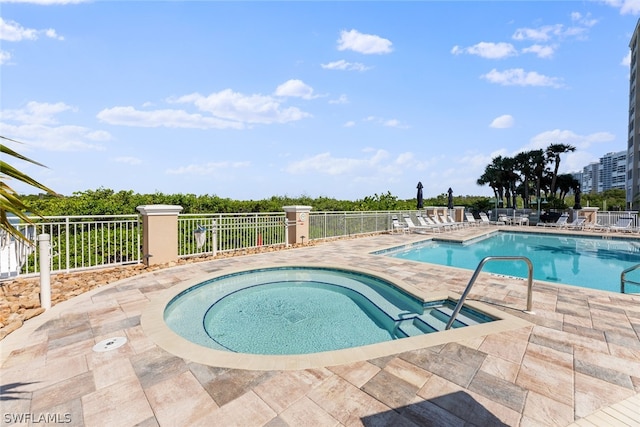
{"x":553,"y":155}
{"x":10,"y":200}
{"x":496,"y":176}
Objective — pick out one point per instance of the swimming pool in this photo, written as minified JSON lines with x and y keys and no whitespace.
{"x":300,"y":310}
{"x":591,"y":262}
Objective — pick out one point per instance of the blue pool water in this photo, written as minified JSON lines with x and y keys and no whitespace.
{"x":299,"y":310}
{"x":590,"y":262}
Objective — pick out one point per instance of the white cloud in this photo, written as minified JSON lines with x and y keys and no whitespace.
{"x":14,"y":32}
{"x":228,"y":105}
{"x":544,"y":33}
{"x":519,"y":77}
{"x":626,"y":61}
{"x":558,"y":136}
{"x":363,"y":43}
{"x":344,"y":65}
{"x":210,"y":168}
{"x":5,"y":57}
{"x":221,"y":110}
{"x":133,"y":161}
{"x":342,"y":99}
{"x":631,"y":7}
{"x":36,"y":113}
{"x":395,"y":123}
{"x":295,"y":88}
{"x":487,"y":50}
{"x":374,"y":165}
{"x":503,"y":122}
{"x":130,"y":116}
{"x":541,"y":51}
{"x":349,"y":124}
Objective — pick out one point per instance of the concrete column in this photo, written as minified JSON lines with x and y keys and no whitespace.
{"x":591,"y":214}
{"x":298,"y":218}
{"x":458,"y":215}
{"x":160,"y":233}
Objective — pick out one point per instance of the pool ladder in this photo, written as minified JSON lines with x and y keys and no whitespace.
{"x":623,"y":277}
{"x":476,"y":273}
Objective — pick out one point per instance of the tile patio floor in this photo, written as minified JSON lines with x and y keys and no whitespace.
{"x":577,"y":362}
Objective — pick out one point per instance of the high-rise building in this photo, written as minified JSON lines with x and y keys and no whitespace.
{"x":608,"y":173}
{"x":633,"y":147}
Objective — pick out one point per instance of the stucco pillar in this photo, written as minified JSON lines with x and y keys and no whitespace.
{"x":591,"y":214}
{"x":298,"y":221}
{"x":160,"y":233}
{"x":458,"y":215}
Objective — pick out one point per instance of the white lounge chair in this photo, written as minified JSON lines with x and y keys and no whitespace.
{"x":398,"y":226}
{"x":485,"y":219}
{"x":624,"y":225}
{"x":427,"y":222}
{"x":559,"y":222}
{"x":436,"y":219}
{"x":419,"y":228}
{"x":471,"y":220}
{"x":576,"y":224}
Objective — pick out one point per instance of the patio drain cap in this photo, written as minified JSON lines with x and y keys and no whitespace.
{"x":109,"y":344}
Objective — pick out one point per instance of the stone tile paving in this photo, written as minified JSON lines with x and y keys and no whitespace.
{"x":580,"y":354}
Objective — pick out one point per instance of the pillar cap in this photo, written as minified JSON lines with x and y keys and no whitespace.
{"x":151,"y":210}
{"x":296,"y":208}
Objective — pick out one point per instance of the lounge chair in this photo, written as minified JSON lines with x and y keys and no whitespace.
{"x":576,"y":224}
{"x":446,"y":219}
{"x":420,"y":228}
{"x":436,"y":219}
{"x":471,"y":220}
{"x":485,"y":219}
{"x":559,"y":222}
{"x":398,"y":226}
{"x":427,"y":222}
{"x":623,"y":225}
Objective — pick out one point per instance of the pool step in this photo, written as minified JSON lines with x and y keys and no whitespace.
{"x":414,"y":326}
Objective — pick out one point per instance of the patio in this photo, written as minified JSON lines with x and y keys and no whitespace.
{"x":578,"y":359}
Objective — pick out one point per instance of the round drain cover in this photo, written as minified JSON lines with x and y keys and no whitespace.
{"x":109,"y":344}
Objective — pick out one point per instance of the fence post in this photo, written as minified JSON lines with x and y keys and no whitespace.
{"x":214,"y":237}
{"x":160,"y":233}
{"x":44,"y":246}
{"x":298,"y":217}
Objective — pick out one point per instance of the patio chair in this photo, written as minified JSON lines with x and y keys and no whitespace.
{"x":419,"y":228}
{"x":471,"y":220}
{"x":559,"y":223}
{"x":485,"y":219}
{"x":427,"y":222}
{"x":576,"y":224}
{"x":446,"y":219}
{"x":624,"y":225}
{"x":436,"y":220}
{"x":398,"y":226}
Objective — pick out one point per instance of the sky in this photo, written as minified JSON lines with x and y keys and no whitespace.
{"x":248,"y":100}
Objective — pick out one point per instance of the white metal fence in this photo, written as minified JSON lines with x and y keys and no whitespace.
{"x":77,"y":243}
{"x":84,"y":242}
{"x":325,"y":225}
{"x":200,"y":234}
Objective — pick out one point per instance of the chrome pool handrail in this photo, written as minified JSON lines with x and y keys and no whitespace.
{"x":623,"y":279}
{"x":456,"y":310}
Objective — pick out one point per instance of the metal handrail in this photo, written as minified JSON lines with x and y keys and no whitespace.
{"x":456,"y":310}
{"x":623,"y":280}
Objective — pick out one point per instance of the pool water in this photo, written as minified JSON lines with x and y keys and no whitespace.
{"x":300,"y":310}
{"x":590,"y":262}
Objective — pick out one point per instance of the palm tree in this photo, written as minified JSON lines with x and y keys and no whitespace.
{"x":522,"y":163}
{"x":553,"y":155}
{"x":494,"y":177}
{"x":10,"y":201}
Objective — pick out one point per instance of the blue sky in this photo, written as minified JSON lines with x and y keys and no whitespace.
{"x":248,"y":100}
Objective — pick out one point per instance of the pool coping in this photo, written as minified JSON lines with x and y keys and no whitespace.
{"x":153,"y":324}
